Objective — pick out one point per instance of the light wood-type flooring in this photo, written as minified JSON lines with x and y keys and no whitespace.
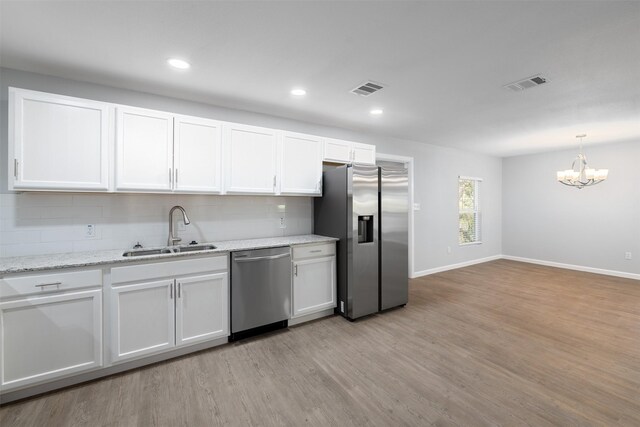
{"x":500,"y":343}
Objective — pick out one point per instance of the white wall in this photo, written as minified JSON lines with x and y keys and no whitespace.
{"x":591,"y":227}
{"x":436,"y":172}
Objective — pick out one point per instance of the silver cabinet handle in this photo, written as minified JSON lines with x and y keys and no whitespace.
{"x":171,"y":291}
{"x":274,"y":182}
{"x":42,"y":285}
{"x":315,"y":251}
{"x":260,"y":258}
{"x":170,"y":176}
{"x":179,"y":290}
{"x":15,"y":168}
{"x":176,"y":175}
{"x":295,"y":270}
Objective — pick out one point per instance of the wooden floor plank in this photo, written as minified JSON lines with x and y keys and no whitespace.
{"x":499,"y":343}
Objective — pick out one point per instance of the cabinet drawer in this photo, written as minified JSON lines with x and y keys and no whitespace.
{"x":312,"y":251}
{"x":48,"y":282}
{"x":153,"y":270}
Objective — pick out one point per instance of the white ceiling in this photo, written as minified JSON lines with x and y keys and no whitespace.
{"x":444,"y":62}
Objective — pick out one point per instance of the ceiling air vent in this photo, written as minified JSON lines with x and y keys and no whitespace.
{"x":367,"y":88}
{"x":527,"y":83}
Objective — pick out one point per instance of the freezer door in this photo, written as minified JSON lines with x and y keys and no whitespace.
{"x":394,"y":244}
{"x":362,"y":298}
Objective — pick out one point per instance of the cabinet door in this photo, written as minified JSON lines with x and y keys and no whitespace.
{"x":250,"y":159}
{"x":336,"y":150}
{"x":197,"y":155}
{"x":43,"y":338}
{"x":144,"y":150}
{"x":57,"y":142}
{"x":314,"y":285}
{"x":364,"y":153}
{"x":202,"y":308}
{"x":301,"y":164}
{"x":142,"y":319}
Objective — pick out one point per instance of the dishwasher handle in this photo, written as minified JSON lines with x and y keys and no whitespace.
{"x":260,"y":258}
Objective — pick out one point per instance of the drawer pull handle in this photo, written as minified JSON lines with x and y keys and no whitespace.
{"x":314,"y":251}
{"x":42,"y":285}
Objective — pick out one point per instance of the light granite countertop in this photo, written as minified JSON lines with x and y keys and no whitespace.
{"x":24,"y":264}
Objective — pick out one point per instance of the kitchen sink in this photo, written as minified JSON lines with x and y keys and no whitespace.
{"x":143,"y":252}
{"x":168,"y":250}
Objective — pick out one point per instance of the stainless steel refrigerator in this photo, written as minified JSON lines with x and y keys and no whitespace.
{"x":366,"y":207}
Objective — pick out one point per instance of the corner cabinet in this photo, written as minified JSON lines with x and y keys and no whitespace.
{"x":158,"y":306}
{"x":50,"y":326}
{"x":301,"y":164}
{"x":251,"y":159}
{"x":339,"y":151}
{"x":314,"y":279}
{"x":57,"y":142}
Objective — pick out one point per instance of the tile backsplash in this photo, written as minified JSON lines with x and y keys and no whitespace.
{"x":42,"y":223}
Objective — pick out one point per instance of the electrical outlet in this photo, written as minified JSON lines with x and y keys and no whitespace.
{"x":416,"y":206}
{"x":282,"y":224}
{"x":90,"y":231}
{"x":627,"y":255}
{"x":448,"y":249}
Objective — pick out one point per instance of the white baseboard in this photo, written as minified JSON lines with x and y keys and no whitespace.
{"x":454,"y":266}
{"x":575,"y":267}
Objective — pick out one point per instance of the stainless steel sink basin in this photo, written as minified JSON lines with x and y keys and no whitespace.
{"x":191,"y":248}
{"x":168,"y":250}
{"x":143,"y":252}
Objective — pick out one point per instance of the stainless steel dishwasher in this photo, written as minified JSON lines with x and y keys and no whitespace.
{"x":260,"y":291}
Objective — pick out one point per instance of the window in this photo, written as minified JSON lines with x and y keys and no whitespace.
{"x":468,"y":210}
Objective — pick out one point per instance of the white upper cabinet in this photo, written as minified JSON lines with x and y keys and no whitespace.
{"x":57,"y":142}
{"x":251,"y":157}
{"x":364,"y":153}
{"x":144,"y":149}
{"x":197,"y":155}
{"x":301,"y":164}
{"x":336,"y":150}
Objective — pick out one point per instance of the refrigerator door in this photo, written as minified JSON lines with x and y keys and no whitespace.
{"x":394,"y":219}
{"x":362,"y":293}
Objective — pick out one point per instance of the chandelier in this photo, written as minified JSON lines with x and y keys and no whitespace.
{"x":579,"y":175}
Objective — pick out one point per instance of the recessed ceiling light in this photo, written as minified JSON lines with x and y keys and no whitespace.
{"x":376,"y":112}
{"x":298,"y":92}
{"x":178,"y":63}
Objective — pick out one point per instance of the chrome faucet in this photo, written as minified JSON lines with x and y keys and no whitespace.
{"x":173,"y":240}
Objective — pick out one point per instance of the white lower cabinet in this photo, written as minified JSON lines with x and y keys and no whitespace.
{"x":201,"y":308}
{"x":160,"y":313}
{"x":142,"y":319}
{"x":46,"y":336}
{"x":314,"y":279}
